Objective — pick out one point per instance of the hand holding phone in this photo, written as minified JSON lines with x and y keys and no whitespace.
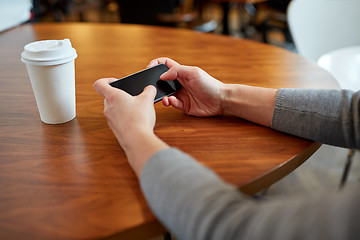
{"x":135,"y":83}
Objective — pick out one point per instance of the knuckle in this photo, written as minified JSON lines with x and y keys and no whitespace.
{"x":196,"y":70}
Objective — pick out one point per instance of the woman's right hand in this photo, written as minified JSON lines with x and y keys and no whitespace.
{"x":201,"y":94}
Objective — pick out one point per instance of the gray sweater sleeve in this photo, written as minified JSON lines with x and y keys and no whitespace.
{"x":326,"y":116}
{"x":194,"y":203}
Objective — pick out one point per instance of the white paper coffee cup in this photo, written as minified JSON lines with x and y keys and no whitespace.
{"x":51,"y":68}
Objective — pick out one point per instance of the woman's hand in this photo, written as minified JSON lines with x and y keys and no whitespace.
{"x":132,"y":120}
{"x":201,"y":94}
{"x":127,"y":115}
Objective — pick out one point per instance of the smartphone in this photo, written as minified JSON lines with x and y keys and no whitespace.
{"x":134,"y":84}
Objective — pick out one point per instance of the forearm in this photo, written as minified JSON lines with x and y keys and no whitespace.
{"x":327,"y":116}
{"x":251,"y":103}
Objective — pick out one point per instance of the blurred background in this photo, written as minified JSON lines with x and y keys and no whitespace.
{"x":259,"y":20}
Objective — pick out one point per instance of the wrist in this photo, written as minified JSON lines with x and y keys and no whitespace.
{"x":228,"y":96}
{"x":251,"y":103}
{"x":130,"y":137}
{"x":140,"y":146}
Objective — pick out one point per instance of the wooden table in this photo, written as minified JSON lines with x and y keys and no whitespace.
{"x":72,"y":181}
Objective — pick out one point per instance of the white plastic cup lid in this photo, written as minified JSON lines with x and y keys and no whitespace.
{"x":48,"y":52}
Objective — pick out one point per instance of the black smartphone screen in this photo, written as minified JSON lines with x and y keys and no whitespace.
{"x":135,"y":83}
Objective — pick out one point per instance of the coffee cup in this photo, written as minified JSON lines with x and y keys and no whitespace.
{"x":51,"y":68}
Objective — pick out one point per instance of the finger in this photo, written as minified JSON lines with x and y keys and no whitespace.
{"x":153,"y":63}
{"x":171,"y":74}
{"x":163,"y":60}
{"x":149,"y":93}
{"x":179,"y":72}
{"x":102,"y":86}
{"x":165,"y":101}
{"x":176,"y":103}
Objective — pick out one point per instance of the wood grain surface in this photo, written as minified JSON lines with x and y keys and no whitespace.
{"x":72,"y":181}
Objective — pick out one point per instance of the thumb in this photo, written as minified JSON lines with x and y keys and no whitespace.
{"x":149,"y":93}
{"x":170,"y":74}
{"x":102,"y":86}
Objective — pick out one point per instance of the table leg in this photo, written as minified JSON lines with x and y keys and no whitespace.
{"x":167,"y":236}
{"x":225,"y":20}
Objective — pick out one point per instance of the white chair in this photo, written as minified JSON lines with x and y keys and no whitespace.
{"x":14,"y":12}
{"x":320,"y":26}
{"x":344,"y":65}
